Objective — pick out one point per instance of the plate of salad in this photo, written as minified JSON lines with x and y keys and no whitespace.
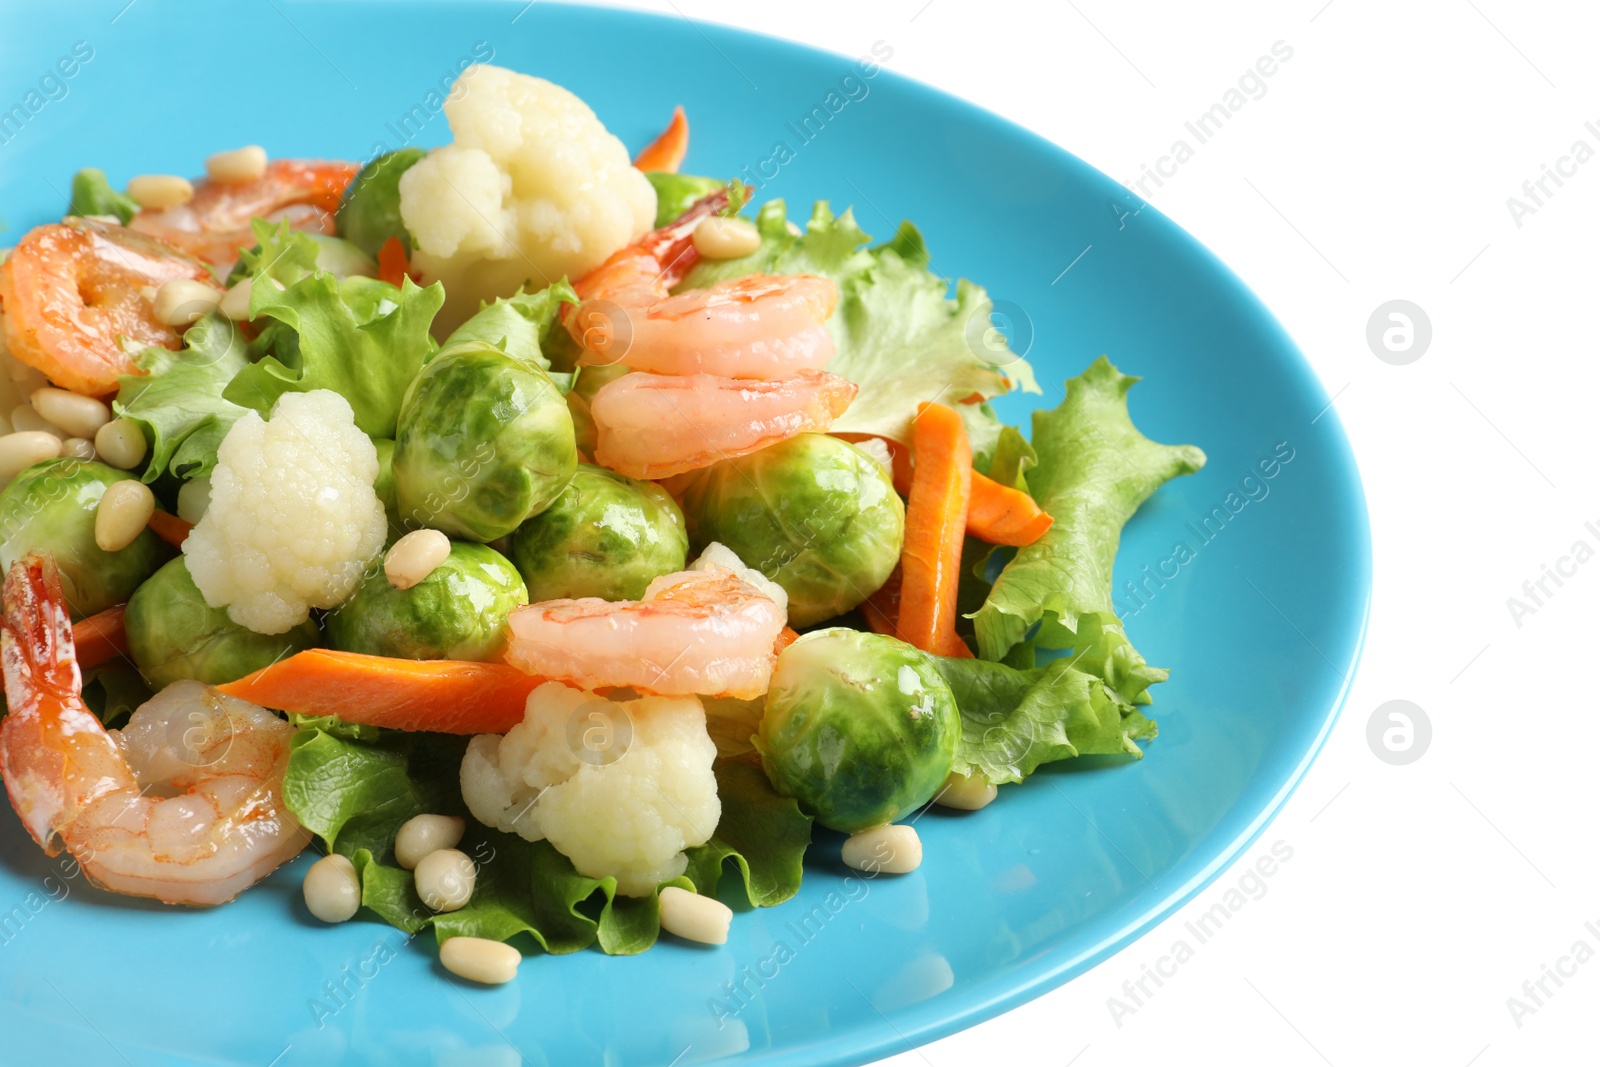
{"x":492,"y":577}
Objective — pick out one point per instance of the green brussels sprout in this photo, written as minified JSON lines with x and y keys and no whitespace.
{"x":93,"y":195}
{"x":581,"y":395}
{"x":50,"y":507}
{"x":815,"y":514}
{"x":484,"y":442}
{"x":675,"y":193}
{"x":457,"y":612}
{"x":860,"y":728}
{"x":605,"y":536}
{"x":370,"y":214}
{"x":342,"y":258}
{"x":174,"y":634}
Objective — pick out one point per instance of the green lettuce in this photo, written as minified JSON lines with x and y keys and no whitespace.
{"x":899,"y":335}
{"x":1012,"y":721}
{"x":354,"y":789}
{"x":517,"y":325}
{"x":178,"y":400}
{"x":1094,"y":470}
{"x":365,"y":339}
{"x":676,"y":193}
{"x":92,"y":194}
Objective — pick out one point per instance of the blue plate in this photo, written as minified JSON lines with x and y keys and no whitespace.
{"x":1260,"y":617}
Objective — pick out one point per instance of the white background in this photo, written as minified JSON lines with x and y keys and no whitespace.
{"x":1377,"y":166}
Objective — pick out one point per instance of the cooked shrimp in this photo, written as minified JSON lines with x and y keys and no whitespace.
{"x":184,"y":804}
{"x":215,"y":223}
{"x":72,"y":291}
{"x":695,"y":632}
{"x":656,"y":425}
{"x":759,"y":326}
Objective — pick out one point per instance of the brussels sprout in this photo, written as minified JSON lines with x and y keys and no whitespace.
{"x":484,"y":442}
{"x":174,"y":634}
{"x":605,"y":536}
{"x":93,"y":195}
{"x":342,"y":258}
{"x":370,"y":214}
{"x":581,"y":395}
{"x":859,"y":727}
{"x":457,"y":612}
{"x":813,"y":513}
{"x":676,"y":192}
{"x":50,"y":508}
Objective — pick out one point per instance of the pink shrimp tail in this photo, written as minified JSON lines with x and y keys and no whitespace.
{"x":668,"y":254}
{"x":51,"y":745}
{"x":36,"y":643}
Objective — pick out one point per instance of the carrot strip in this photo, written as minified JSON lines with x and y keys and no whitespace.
{"x":667,"y":151}
{"x":170,"y":528}
{"x":392,"y":262}
{"x":936,"y":523}
{"x":100,"y":638}
{"x":1002,"y":515}
{"x":786,"y":637}
{"x":441,"y":695}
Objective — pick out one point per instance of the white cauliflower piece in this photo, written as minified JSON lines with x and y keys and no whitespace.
{"x":717,"y":554}
{"x":531,"y":189}
{"x":620,"y":788}
{"x":293,"y":519}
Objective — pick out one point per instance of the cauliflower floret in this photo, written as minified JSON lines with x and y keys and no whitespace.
{"x":293,"y":519}
{"x":717,"y":554}
{"x":533,"y":188}
{"x":620,"y":788}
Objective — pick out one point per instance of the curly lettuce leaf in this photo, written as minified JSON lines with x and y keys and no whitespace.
{"x":178,"y":400}
{"x":92,"y":194}
{"x":354,"y":790}
{"x":1013,"y":721}
{"x":282,"y":253}
{"x":899,"y":335}
{"x":518,"y":325}
{"x":1094,"y":470}
{"x":360,"y":337}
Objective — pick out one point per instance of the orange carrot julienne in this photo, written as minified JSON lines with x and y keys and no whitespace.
{"x":392,"y":262}
{"x":100,"y":638}
{"x":786,"y":637}
{"x":439,"y":695}
{"x":1002,"y":515}
{"x":936,"y":524}
{"x":667,"y":151}
{"x":882,"y":612}
{"x":170,"y":528}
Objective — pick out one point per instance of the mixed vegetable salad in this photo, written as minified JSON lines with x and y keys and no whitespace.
{"x":533,"y":531}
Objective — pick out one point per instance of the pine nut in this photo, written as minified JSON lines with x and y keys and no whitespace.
{"x":332,"y":889}
{"x":694,"y":917}
{"x":194,"y":497}
{"x":445,"y":879}
{"x":21,"y":450}
{"x":721,"y":237}
{"x":887,"y":849}
{"x":156,"y":191}
{"x":184,"y":300}
{"x":121,"y":444}
{"x":423,"y":835}
{"x":80,"y":416}
{"x":414,"y":557}
{"x":240,"y":165}
{"x":26,"y":420}
{"x":478,"y":959}
{"x":124,"y":512}
{"x":78,"y":448}
{"x":236,"y":303}
{"x":966,"y":794}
